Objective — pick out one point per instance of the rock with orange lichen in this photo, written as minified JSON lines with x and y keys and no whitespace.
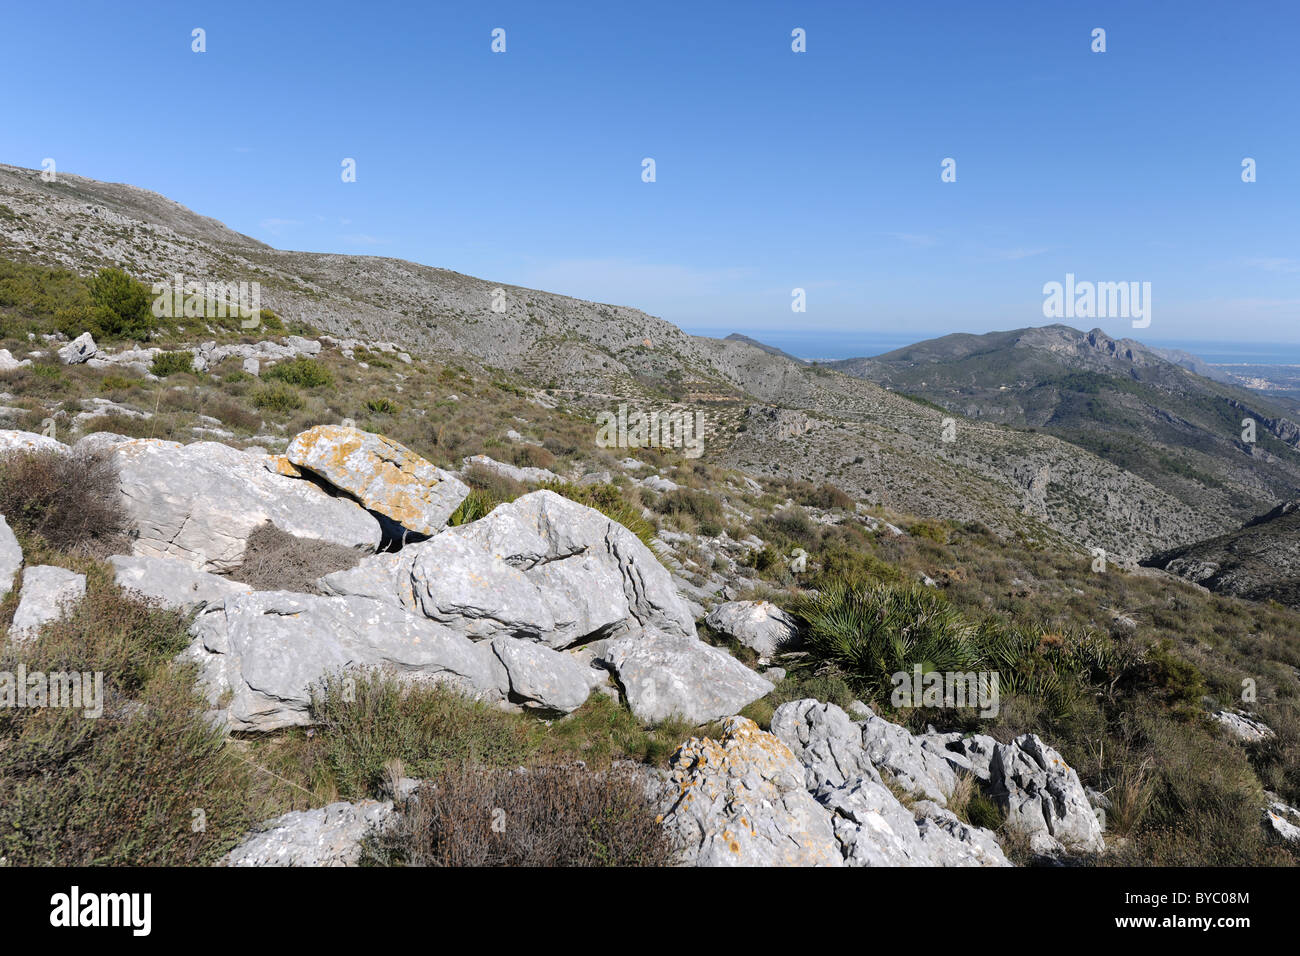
{"x":741,"y":801}
{"x":386,"y":477}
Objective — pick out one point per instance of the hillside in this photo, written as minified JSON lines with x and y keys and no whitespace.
{"x":1260,"y":561}
{"x":225,"y":520}
{"x":879,"y":444}
{"x":1118,"y":399}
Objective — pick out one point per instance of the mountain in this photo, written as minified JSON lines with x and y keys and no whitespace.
{"x":767,"y":412}
{"x":1116,"y":398}
{"x":1260,"y":561}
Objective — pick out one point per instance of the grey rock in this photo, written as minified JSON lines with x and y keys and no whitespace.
{"x":953,"y":843}
{"x":328,"y":836}
{"x":267,"y":650}
{"x":1282,"y":822}
{"x":1245,"y":727}
{"x":20,"y":441}
{"x":664,"y":676}
{"x":542,"y":676}
{"x":872,"y":827}
{"x":915,"y":768}
{"x":826,"y":740}
{"x":759,"y":625}
{"x":11,"y":557}
{"x":541,"y":567}
{"x":741,"y":801}
{"x":199,"y":503}
{"x":79,"y":350}
{"x":1043,"y":798}
{"x":527,"y":476}
{"x":47,"y":594}
{"x":173,"y":584}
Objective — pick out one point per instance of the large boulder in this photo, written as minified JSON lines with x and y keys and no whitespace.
{"x":199,"y":503}
{"x":759,"y":625}
{"x":386,"y":477}
{"x":1043,"y":798}
{"x":541,"y":567}
{"x":79,"y":350}
{"x":47,"y":594}
{"x":11,"y":557}
{"x":172,"y":584}
{"x":664,"y":676}
{"x":260,"y":654}
{"x":741,"y":801}
{"x":542,"y":677}
{"x":328,"y":836}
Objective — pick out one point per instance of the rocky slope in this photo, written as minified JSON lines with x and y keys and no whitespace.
{"x":1260,"y":561}
{"x":878,"y":444}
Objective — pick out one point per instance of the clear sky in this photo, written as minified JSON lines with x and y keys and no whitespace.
{"x":775,"y":169}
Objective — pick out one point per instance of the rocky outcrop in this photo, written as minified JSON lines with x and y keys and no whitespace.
{"x":47,"y":594}
{"x":1245,"y":727}
{"x":759,"y":625}
{"x":741,"y":801}
{"x":385,"y":476}
{"x":544,"y":678}
{"x":1043,"y":798}
{"x":20,"y":441}
{"x":79,"y":350}
{"x":260,"y":654}
{"x":328,"y":836}
{"x":806,"y":794}
{"x":524,"y":475}
{"x":199,"y":503}
{"x":541,"y":567}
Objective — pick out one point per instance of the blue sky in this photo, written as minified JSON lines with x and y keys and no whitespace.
{"x":775,"y":169}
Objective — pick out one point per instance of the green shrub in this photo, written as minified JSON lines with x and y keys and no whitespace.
{"x":873,"y":632}
{"x":303,"y":372}
{"x":277,"y":397}
{"x":381,"y":406}
{"x":122,"y":306}
{"x":169,"y":363}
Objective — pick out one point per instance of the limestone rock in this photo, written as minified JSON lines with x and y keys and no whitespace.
{"x":664,"y":676}
{"x":546,"y":678}
{"x":79,"y":350}
{"x":199,"y":503}
{"x":741,"y":801}
{"x":1043,"y":797}
{"x":268,"y":648}
{"x":383,"y":475}
{"x":173,"y":584}
{"x":47,"y":594}
{"x":759,"y":625}
{"x":11,"y":557}
{"x":328,"y":836}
